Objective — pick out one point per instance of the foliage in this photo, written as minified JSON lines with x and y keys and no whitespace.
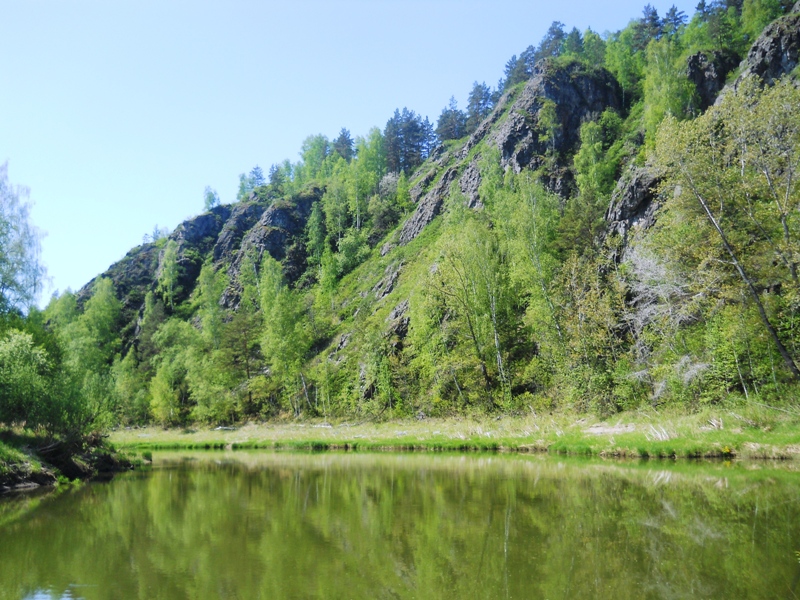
{"x":21,"y":270}
{"x":210,"y":198}
{"x":452,"y":123}
{"x":170,"y":273}
{"x":521,"y":303}
{"x":407,"y":141}
{"x":733,"y":176}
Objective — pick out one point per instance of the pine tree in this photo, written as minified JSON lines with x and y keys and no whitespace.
{"x":257,"y":177}
{"x":343,"y":145}
{"x":552,"y":42}
{"x":452,"y":122}
{"x":479,"y":105}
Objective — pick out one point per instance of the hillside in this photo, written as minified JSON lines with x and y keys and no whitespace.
{"x":603,"y":235}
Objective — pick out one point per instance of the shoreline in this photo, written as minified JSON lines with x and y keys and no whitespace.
{"x":26,"y":465}
{"x":721,"y":434}
{"x":709,"y":434}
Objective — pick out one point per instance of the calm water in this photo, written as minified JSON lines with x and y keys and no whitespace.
{"x":281,"y":525}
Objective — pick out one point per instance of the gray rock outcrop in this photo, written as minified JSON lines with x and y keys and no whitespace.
{"x":634,"y":202}
{"x":707,"y":71}
{"x":274,"y":233}
{"x":776,"y":51}
{"x":428,"y":207}
{"x":577,"y":94}
{"x":242,"y":218}
{"x":525,"y":141}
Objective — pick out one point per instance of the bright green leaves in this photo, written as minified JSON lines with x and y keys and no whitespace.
{"x":24,"y":382}
{"x":733,"y":173}
{"x":21,"y":270}
{"x":667,"y":90}
{"x":284,"y":339}
{"x":169,"y":273}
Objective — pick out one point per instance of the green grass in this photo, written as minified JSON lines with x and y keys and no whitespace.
{"x":13,"y":457}
{"x":9,"y":456}
{"x":706,"y":434}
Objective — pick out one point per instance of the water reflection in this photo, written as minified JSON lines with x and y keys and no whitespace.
{"x":267,"y":525}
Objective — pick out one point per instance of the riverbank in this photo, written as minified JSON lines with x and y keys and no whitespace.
{"x":28,"y":462}
{"x":753,"y":434}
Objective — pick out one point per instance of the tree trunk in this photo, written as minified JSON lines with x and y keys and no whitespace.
{"x":787,"y":358}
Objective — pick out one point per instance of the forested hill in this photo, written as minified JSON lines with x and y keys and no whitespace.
{"x":615,"y":225}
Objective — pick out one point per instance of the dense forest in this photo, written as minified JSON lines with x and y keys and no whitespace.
{"x":615,"y":225}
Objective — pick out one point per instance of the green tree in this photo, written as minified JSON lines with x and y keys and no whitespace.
{"x":552,"y":44}
{"x":596,"y":173}
{"x":285,"y":341}
{"x":734,"y":169}
{"x":367,"y":171}
{"x":471,"y":281}
{"x":313,"y":152}
{"x":92,"y":340}
{"x":21,"y":271}
{"x":667,"y":89}
{"x":479,"y":105}
{"x":452,"y":123}
{"x":626,"y":62}
{"x":315,"y":234}
{"x":169,"y":273}
{"x":594,"y":48}
{"x":170,"y":401}
{"x":336,"y":201}
{"x":344,"y":145}
{"x":131,"y":398}
{"x":210,"y":198}
{"x":91,"y":345}
{"x":573,"y":43}
{"x":25,"y":385}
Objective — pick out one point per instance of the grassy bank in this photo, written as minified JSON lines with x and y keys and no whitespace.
{"x":755,"y":433}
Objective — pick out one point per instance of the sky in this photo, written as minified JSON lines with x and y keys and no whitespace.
{"x":117,"y":115}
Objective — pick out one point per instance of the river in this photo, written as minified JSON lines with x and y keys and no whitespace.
{"x":253,"y":525}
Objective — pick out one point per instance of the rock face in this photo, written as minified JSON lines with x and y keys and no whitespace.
{"x":577,"y":95}
{"x":469,"y":182}
{"x":201,"y":231}
{"x":196,"y":237}
{"x":525,"y":138}
{"x":224,"y":233}
{"x":397,"y":329}
{"x":775,"y":52}
{"x":385,"y":286}
{"x":429,"y":206}
{"x":241,"y":220}
{"x":275,"y":233}
{"x":708,"y":71}
{"x":634,"y":202}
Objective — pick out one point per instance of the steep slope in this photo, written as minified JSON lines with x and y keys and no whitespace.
{"x":224,"y":235}
{"x":464,"y":286}
{"x":524,"y":134}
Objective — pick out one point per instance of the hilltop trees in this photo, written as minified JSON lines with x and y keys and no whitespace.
{"x":210,"y":198}
{"x":452,"y":123}
{"x":408,"y":139}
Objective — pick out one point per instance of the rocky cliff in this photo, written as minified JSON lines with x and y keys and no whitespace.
{"x":223,"y":235}
{"x":534,"y":126}
{"x":541,"y":123}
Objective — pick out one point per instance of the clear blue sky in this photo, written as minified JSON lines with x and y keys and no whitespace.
{"x":118,"y":114}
